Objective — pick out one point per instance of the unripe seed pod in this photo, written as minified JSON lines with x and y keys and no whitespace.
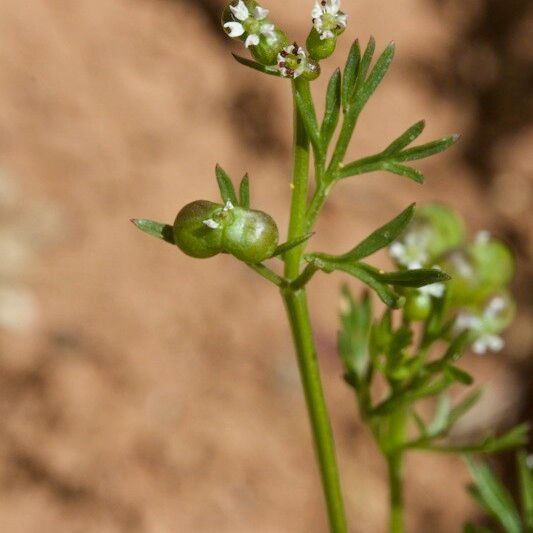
{"x":249,"y":235}
{"x":417,"y":306}
{"x":204,"y":229}
{"x":320,"y":48}
{"x":191,"y":234}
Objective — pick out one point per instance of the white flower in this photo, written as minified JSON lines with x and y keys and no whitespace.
{"x":435,"y":289}
{"x":251,"y":24}
{"x":214,"y":223}
{"x":412,"y":251}
{"x":292,"y":61}
{"x":327,"y":18}
{"x":483,"y":237}
{"x":485,"y":341}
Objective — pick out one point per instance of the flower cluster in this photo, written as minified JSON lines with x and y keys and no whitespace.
{"x":476,"y":297}
{"x":293,"y":62}
{"x":248,"y":21}
{"x":328,"y":19}
{"x":254,"y":25}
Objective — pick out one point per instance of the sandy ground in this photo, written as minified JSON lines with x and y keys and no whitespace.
{"x":143,"y":391}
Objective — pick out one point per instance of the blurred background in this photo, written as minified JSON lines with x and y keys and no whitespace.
{"x":144,"y":391}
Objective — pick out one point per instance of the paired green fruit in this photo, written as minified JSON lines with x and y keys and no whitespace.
{"x":204,"y":229}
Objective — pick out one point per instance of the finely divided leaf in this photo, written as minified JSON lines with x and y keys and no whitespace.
{"x":425,"y":150}
{"x":525,"y":476}
{"x":244,"y":192}
{"x":367,"y":59}
{"x":494,"y":497}
{"x":155,"y":229}
{"x":257,"y":66}
{"x":333,"y":105}
{"x":386,"y":294}
{"x":412,"y":278}
{"x":376,"y":75}
{"x":289,"y":245}
{"x":403,"y":170}
{"x":350,"y":74}
{"x":405,"y":138}
{"x":381,"y":237}
{"x":225,"y":185}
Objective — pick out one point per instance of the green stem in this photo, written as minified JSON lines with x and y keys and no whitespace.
{"x":296,"y":305}
{"x":394,"y":463}
{"x":394,"y":454}
{"x":298,"y":314}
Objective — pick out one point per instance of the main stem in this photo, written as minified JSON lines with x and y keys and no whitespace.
{"x":298,"y":314}
{"x":394,"y":464}
{"x":394,"y":455}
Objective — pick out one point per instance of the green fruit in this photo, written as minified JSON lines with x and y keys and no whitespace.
{"x":445,"y":225}
{"x":494,"y":262}
{"x":320,"y":48}
{"x":204,"y":229}
{"x":251,"y":236}
{"x":266,"y":52}
{"x":191,"y":234}
{"x":417,"y":306}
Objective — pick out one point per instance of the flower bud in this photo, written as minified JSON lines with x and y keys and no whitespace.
{"x":247,"y":21}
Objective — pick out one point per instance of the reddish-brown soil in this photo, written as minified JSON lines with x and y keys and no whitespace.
{"x":143,"y":391}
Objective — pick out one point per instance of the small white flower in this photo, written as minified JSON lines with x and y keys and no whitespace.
{"x":412,"y":251}
{"x":488,"y":342}
{"x":435,"y":289}
{"x":484,"y":341}
{"x":228,"y":207}
{"x":210,"y":223}
{"x":292,"y":61}
{"x":483,"y":237}
{"x":251,"y":24}
{"x":328,"y":18}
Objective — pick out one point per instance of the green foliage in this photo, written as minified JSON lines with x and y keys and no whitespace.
{"x":155,"y":229}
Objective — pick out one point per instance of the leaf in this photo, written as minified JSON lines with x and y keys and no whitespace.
{"x":244,"y":192}
{"x":494,"y":497}
{"x":386,"y":294}
{"x":464,"y":406}
{"x":456,"y":374}
{"x":405,"y":138}
{"x":257,"y":66}
{"x":418,"y":277}
{"x":350,"y":74}
{"x":440,"y":419}
{"x":376,"y":76}
{"x":307,"y":112}
{"x":289,"y":245}
{"x":332,"y":111}
{"x":367,"y":59}
{"x":225,"y":185}
{"x":425,"y":150}
{"x":380,"y":238}
{"x":155,"y":229}
{"x":404,"y":170}
{"x":525,"y":477}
